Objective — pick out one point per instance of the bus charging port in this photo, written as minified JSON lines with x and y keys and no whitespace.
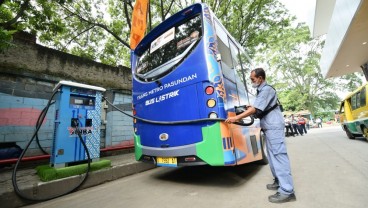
{"x":240,"y":109}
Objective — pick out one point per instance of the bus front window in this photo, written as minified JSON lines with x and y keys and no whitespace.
{"x":169,"y":49}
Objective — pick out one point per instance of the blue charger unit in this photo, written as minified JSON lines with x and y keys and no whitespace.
{"x":76,"y":106}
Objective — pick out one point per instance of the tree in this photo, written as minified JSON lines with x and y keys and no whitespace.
{"x":8,"y":20}
{"x":294,"y":61}
{"x":100,"y":29}
{"x":351,"y":81}
{"x":253,"y":21}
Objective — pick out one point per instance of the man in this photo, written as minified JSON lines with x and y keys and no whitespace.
{"x":273,"y":126}
{"x":288,"y":126}
{"x":295,"y":125}
{"x":319,"y":122}
{"x":302,"y":122}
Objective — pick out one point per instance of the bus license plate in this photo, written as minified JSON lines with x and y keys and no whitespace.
{"x":167,"y":161}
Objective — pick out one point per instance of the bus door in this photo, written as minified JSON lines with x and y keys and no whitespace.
{"x":229,"y":82}
{"x":246,"y":141}
{"x":245,"y":144}
{"x":232,"y":95}
{"x":240,"y":134}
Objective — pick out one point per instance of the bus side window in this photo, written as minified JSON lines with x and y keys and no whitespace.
{"x":224,"y":49}
{"x":226,"y":63}
{"x":237,"y":62}
{"x":235,"y":55}
{"x":342,"y":109}
{"x":363,"y":97}
{"x":353,"y":102}
{"x":358,"y":100}
{"x":349,"y":104}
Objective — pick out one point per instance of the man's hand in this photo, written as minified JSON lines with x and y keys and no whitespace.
{"x":249,"y":111}
{"x":231,"y":119}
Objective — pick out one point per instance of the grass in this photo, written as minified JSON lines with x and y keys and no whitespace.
{"x":47,"y":173}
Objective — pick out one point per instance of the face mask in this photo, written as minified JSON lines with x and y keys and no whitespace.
{"x":255,"y":85}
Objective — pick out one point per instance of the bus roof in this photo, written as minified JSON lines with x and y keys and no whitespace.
{"x":355,"y":91}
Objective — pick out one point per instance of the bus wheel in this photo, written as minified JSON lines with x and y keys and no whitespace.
{"x":348,"y":133}
{"x":365,"y":132}
{"x":264,"y":160}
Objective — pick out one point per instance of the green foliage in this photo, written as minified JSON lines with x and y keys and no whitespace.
{"x":47,"y":173}
{"x":100,"y":30}
{"x":351,"y":81}
{"x":293,"y":61}
{"x":5,"y":38}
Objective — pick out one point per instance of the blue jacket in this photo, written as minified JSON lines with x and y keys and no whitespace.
{"x":266,"y":98}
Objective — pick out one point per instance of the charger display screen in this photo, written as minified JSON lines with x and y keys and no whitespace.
{"x":81,"y":102}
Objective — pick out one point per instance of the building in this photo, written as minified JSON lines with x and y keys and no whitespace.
{"x":345,"y":24}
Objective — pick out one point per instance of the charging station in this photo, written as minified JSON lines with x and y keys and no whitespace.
{"x":76,"y":104}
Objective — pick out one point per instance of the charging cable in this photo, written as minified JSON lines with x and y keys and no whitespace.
{"x":76,"y":124}
{"x":178,"y":122}
{"x":38,"y":126}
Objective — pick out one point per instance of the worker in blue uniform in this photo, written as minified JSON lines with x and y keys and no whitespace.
{"x":272,"y":123}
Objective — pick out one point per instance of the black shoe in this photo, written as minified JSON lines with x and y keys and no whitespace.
{"x":273,"y":186}
{"x":281,"y":198}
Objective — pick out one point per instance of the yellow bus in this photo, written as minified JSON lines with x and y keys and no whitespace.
{"x":354,"y":113}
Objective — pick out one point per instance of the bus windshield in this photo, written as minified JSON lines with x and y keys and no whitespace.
{"x":169,"y":49}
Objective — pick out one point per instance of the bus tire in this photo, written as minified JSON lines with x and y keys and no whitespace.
{"x":264,"y":160}
{"x":348,"y":133}
{"x":364,"y":131}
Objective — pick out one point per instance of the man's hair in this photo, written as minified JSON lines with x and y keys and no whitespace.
{"x":260,"y":73}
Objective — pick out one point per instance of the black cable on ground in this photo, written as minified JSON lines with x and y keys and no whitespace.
{"x":39,"y":123}
{"x":178,"y":122}
{"x":14,"y":173}
{"x":42,"y":117}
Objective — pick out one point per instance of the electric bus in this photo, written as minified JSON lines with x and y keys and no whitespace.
{"x":354,"y":113}
{"x":185,"y":79}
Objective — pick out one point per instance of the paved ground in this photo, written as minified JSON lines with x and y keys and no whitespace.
{"x":329,"y":170}
{"x":30,"y":184}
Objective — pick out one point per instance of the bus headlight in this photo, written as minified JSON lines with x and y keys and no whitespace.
{"x":212,"y":115}
{"x":211,"y":103}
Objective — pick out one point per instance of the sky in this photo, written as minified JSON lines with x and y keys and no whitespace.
{"x":302,"y":9}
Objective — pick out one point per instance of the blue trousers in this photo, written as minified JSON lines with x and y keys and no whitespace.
{"x":279,"y":160}
{"x":296,"y":129}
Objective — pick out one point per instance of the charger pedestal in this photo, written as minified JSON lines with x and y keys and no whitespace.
{"x":76,"y":104}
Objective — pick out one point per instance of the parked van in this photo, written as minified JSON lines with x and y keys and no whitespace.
{"x":354,"y":113}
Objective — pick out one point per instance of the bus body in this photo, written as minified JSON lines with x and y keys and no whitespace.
{"x":354,"y":113}
{"x":178,"y":76}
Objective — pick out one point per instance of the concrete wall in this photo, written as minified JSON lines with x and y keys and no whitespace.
{"x":121,"y":132}
{"x":28,"y":74}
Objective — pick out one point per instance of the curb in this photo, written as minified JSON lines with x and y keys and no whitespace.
{"x":52,"y":188}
